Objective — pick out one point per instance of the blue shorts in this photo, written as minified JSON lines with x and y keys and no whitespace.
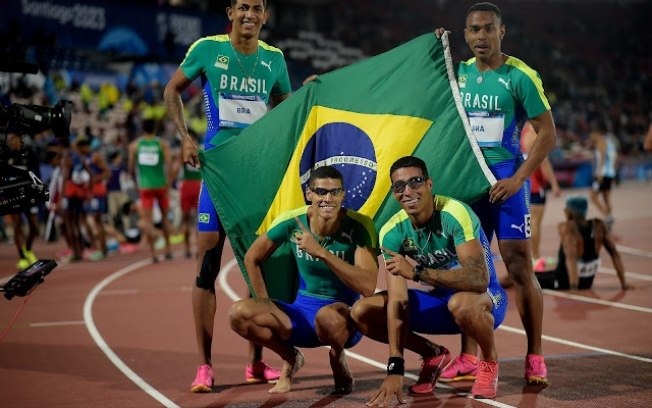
{"x":538,"y":198}
{"x":207,"y":220}
{"x":97,"y":205}
{"x":511,"y":219}
{"x":429,"y":312}
{"x":302,"y":314}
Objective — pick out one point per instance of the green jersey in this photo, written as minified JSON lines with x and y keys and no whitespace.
{"x":315,"y":277}
{"x":237,"y":87}
{"x":432,"y":246}
{"x":498,"y":103}
{"x":150,"y":163}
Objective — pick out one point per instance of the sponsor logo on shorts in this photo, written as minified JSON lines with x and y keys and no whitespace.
{"x":204,"y":218}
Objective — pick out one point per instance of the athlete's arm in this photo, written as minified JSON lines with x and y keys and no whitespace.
{"x":544,"y":142}
{"x":258,"y":253}
{"x":131,"y":165}
{"x":99,"y":161}
{"x":549,"y":174}
{"x":609,"y":244}
{"x":172,"y":97}
{"x":361,"y":276}
{"x":277,"y":99}
{"x":571,"y":242}
{"x":474,"y":278}
{"x":167,"y":156}
{"x":647,"y":142}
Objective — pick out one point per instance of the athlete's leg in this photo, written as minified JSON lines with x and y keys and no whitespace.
{"x":472,"y":313}
{"x":164,"y":205}
{"x":209,"y":258}
{"x":261,"y":321}
{"x":536,"y":211}
{"x":595,"y":197}
{"x":370,"y":317}
{"x":517,"y":255}
{"x":334,"y":328}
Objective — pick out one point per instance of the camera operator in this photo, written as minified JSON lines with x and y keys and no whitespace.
{"x":24,"y":158}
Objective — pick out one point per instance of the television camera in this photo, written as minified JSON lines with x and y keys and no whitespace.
{"x":21,"y":189}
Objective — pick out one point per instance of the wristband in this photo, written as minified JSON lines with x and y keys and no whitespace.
{"x":395,"y":366}
{"x":418,"y":272}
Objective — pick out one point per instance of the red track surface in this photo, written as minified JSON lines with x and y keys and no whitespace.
{"x":118,"y":333}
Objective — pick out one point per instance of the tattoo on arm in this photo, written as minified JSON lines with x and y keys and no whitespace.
{"x":473,"y":278}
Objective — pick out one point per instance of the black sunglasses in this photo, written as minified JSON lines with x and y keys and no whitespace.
{"x":335,"y":192}
{"x":415,"y":182}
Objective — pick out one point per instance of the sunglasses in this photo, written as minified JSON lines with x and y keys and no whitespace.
{"x":414,"y":182}
{"x":334,"y":192}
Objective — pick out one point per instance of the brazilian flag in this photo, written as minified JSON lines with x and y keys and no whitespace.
{"x":360,"y":119}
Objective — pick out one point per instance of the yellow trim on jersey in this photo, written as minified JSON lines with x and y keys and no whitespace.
{"x":524,"y":68}
{"x":530,"y":73}
{"x":218,"y":38}
{"x":396,"y":219}
{"x":289,"y":214}
{"x":459,"y":212}
{"x":268,"y":47}
{"x":367,"y":223}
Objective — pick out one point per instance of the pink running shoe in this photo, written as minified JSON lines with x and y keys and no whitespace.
{"x":464,"y":367}
{"x":536,"y":371}
{"x":486,"y":385}
{"x":430,"y":370}
{"x":204,"y":379}
{"x":259,"y":372}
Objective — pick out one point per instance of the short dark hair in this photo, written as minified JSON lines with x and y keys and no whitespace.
{"x":325,"y":172}
{"x":233,"y":3}
{"x":149,"y":126}
{"x":409,"y":161}
{"x":485,"y":6}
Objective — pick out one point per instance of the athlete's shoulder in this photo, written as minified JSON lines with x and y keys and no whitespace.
{"x":468,"y":62}
{"x":288,"y":215}
{"x":262,"y":44}
{"x":363,"y":221}
{"x":453,"y":207}
{"x":211,"y":40}
{"x":521,"y":66}
{"x":394,"y":223}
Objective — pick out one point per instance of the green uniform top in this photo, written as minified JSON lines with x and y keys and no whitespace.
{"x":237,"y":87}
{"x":315,"y":277}
{"x":498,"y":103}
{"x":150,"y":165}
{"x":432,"y":246}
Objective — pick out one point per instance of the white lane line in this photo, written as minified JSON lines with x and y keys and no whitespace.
{"x":60,"y":323}
{"x":632,"y":275}
{"x":224,"y":284}
{"x":104,"y":347}
{"x":634,"y":251}
{"x":596,"y":301}
{"x":578,"y":345}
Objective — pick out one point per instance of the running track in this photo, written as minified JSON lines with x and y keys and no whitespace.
{"x":118,"y":333}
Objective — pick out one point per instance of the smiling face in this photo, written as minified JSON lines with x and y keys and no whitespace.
{"x":483,"y":33}
{"x":247,"y":17}
{"x":416,"y":195}
{"x":326,"y":196}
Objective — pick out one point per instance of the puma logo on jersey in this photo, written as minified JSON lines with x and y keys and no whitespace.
{"x":506,"y":83}
{"x":349,"y":236}
{"x":267,"y":64}
{"x":518,"y":227}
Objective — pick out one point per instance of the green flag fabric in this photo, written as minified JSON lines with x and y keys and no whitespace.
{"x":360,"y":119}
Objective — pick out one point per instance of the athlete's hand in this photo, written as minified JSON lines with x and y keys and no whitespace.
{"x":392,"y":385}
{"x":398,"y":265}
{"x":190,"y":151}
{"x":307,"y":242}
{"x":310,"y":78}
{"x":439,"y":31}
{"x":504,"y":189}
